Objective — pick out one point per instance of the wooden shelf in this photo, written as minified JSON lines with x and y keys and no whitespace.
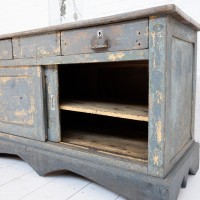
{"x":135,"y":148}
{"x":125,"y":111}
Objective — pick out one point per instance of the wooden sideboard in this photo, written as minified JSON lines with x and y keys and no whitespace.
{"x":111,"y":99}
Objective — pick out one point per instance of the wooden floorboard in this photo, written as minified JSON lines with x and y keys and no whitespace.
{"x":125,"y":111}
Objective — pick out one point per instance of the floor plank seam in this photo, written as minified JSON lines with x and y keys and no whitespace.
{"x":78,"y":191}
{"x":117,"y":197}
{"x":37,"y":189}
{"x":16,"y":178}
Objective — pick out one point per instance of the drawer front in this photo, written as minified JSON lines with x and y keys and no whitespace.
{"x":120,"y":36}
{"x":37,"y":46}
{"x":6,"y":49}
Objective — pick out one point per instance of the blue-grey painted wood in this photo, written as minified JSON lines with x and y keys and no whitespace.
{"x":172,"y":71}
{"x":180,"y":91}
{"x":21,"y":97}
{"x":6,"y":49}
{"x":157,"y":67}
{"x":120,"y":37}
{"x":53,"y":110}
{"x":142,"y":54}
{"x":180,"y":31}
{"x":171,"y":92}
{"x":37,"y":46}
{"x":179,"y":99}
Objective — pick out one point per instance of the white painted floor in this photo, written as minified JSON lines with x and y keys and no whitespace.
{"x":19,"y":181}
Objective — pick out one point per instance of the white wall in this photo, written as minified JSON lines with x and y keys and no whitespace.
{"x":18,"y":15}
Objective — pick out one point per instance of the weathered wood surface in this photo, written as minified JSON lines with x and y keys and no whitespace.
{"x":21,"y":96}
{"x":6,"y":50}
{"x":125,"y":111}
{"x":157,"y":67}
{"x":171,"y":103}
{"x":120,"y":36}
{"x":179,"y":99}
{"x":37,"y":46}
{"x":135,"y":149}
{"x":82,"y":58}
{"x":170,"y":9}
{"x":170,"y":45}
{"x":180,"y":81}
{"x":52,"y":98}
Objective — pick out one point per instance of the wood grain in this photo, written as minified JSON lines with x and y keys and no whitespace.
{"x":127,"y":147}
{"x":125,"y":111}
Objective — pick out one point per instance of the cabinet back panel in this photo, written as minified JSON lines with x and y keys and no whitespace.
{"x":122,"y":137}
{"x":122,"y":81}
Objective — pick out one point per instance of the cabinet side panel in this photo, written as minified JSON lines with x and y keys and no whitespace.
{"x":179,"y":106}
{"x":180,"y":91}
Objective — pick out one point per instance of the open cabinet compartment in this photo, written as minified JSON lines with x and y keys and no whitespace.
{"x":104,"y":107}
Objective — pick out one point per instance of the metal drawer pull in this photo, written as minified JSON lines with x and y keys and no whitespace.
{"x":100,"y":42}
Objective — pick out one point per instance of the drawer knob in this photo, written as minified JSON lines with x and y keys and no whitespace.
{"x":100,"y":42}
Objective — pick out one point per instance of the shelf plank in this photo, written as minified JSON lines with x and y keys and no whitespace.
{"x":125,"y":111}
{"x":130,"y":148}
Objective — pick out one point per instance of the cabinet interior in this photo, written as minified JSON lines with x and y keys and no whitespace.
{"x":104,"y":107}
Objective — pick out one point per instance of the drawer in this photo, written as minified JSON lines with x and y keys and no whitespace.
{"x":37,"y":46}
{"x":113,"y":37}
{"x":6,"y":49}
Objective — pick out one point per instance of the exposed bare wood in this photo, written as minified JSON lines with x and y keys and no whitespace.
{"x":126,"y":147}
{"x":126,"y":111}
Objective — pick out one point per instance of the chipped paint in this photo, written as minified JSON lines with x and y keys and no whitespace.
{"x":38,"y":71}
{"x":95,"y":60}
{"x":117,"y":56}
{"x":154,"y":63}
{"x":5,"y":79}
{"x":43,"y":52}
{"x":141,"y":53}
{"x":160,"y":35}
{"x":153,"y":35}
{"x":159,"y":96}
{"x":19,"y":113}
{"x":157,"y":63}
{"x":155,"y":159}
{"x":153,"y":17}
{"x":38,"y":46}
{"x":23,"y":114}
{"x":159,"y":131}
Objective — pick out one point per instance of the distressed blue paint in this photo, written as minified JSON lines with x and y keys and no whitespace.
{"x":157,"y":65}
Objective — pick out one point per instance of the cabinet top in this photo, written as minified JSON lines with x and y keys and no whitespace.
{"x":170,"y":9}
